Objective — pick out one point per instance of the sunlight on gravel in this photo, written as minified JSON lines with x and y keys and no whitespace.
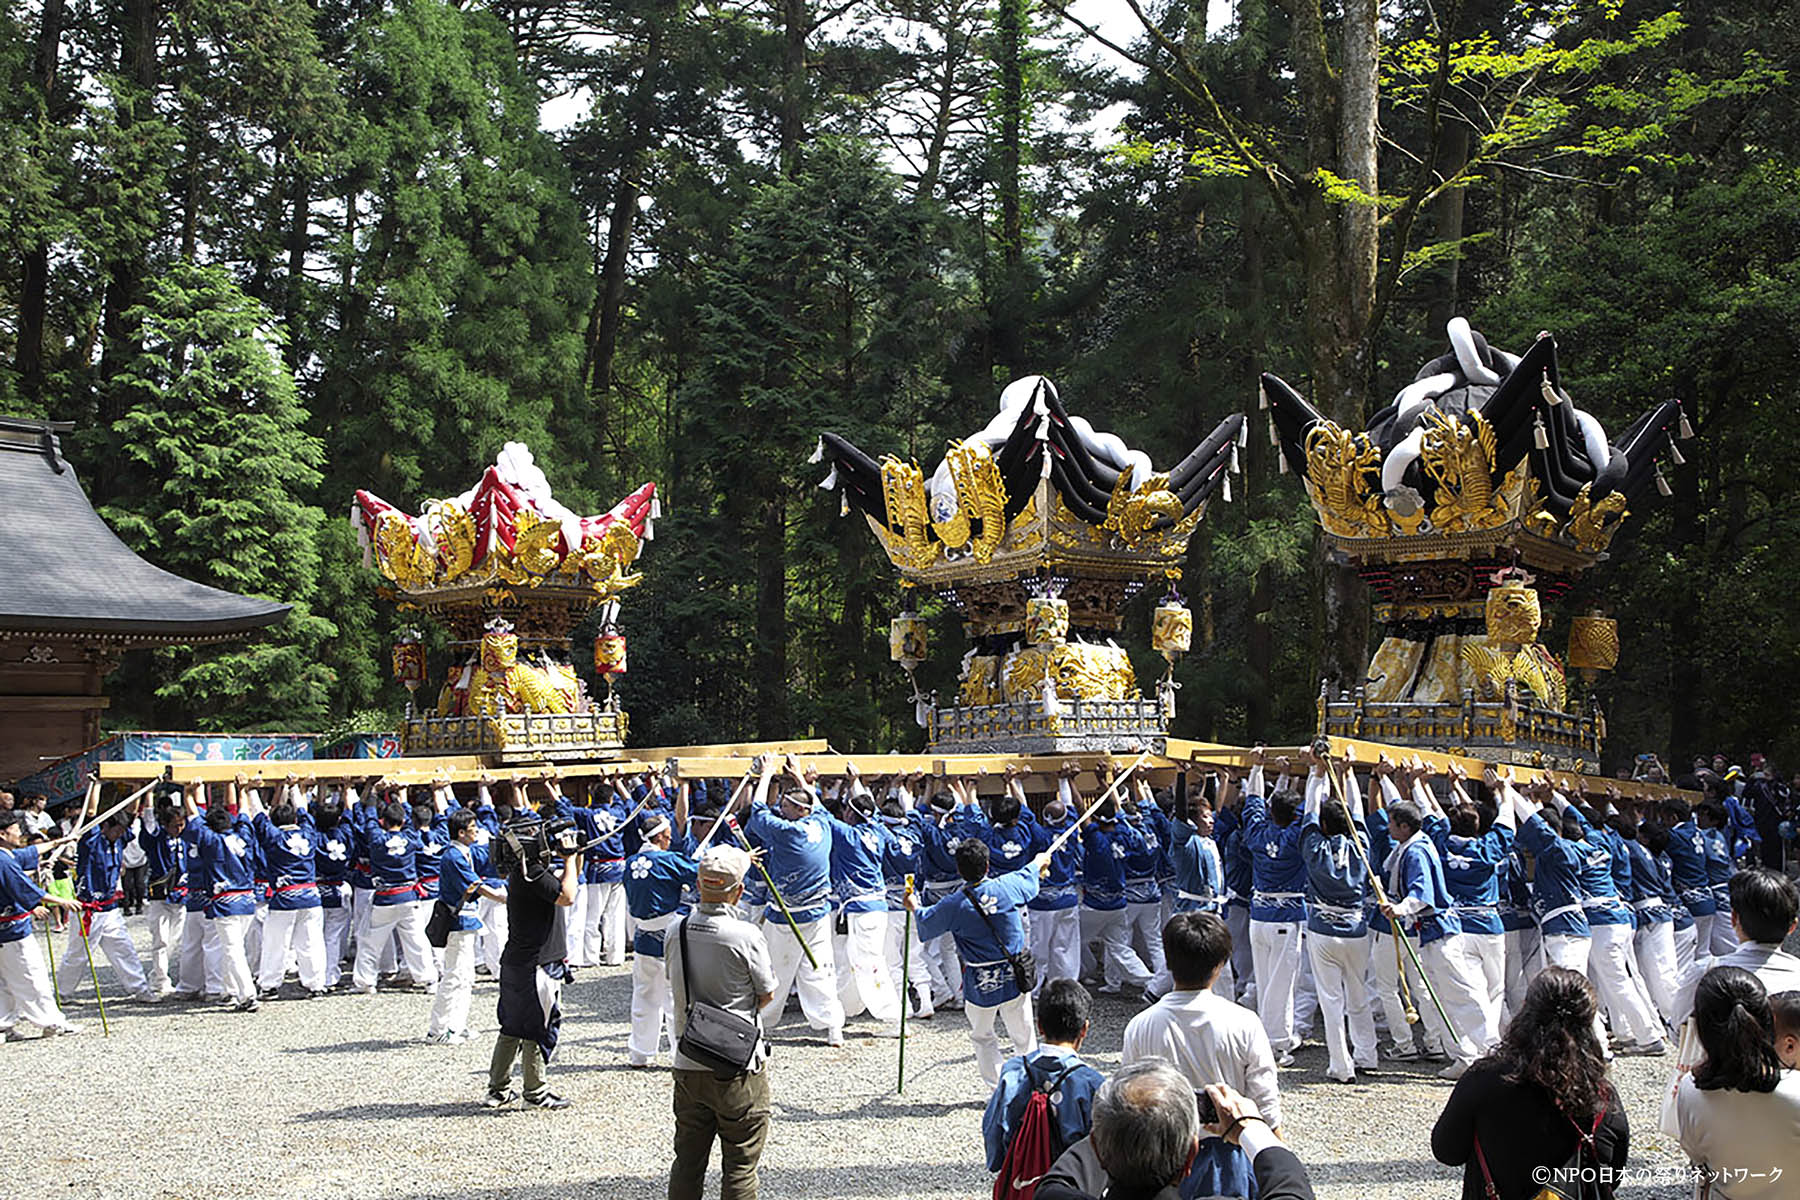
{"x":340,"y":1097}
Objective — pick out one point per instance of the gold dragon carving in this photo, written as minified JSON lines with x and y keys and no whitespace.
{"x":1131,"y":513}
{"x":1338,"y":463}
{"x":403,"y":559}
{"x":606,"y":559}
{"x":1592,"y":523}
{"x":980,"y":494}
{"x":1081,"y":670}
{"x":1533,"y":668}
{"x":1458,"y":459}
{"x":501,"y":684}
{"x":455,"y":532}
{"x":903,"y":489}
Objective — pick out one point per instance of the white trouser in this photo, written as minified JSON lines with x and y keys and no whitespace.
{"x":1275,"y":948}
{"x":1056,"y":942}
{"x":584,"y":925}
{"x":106,"y":933}
{"x":362,"y":904}
{"x":25,"y":993}
{"x":910,"y":959}
{"x":817,"y":983}
{"x":165,"y":919}
{"x":450,"y":1007}
{"x":1019,"y":1026}
{"x":198,"y":967}
{"x":1306,"y":997}
{"x":1243,"y":963}
{"x":864,"y":983}
{"x":1654,"y":945}
{"x":1524,"y":959}
{"x":407,"y":922}
{"x":1572,"y":952}
{"x":302,"y":929}
{"x":1112,"y":929}
{"x":1567,"y":950}
{"x":1145,"y":924}
{"x":1340,"y":968}
{"x":1450,"y":970}
{"x":233,"y":934}
{"x":610,"y":925}
{"x":1486,"y":954}
{"x":493,"y":932}
{"x":1687,"y":945}
{"x":1609,"y":966}
{"x":336,"y":923}
{"x":1723,"y":938}
{"x":253,"y":935}
{"x":945,"y":966}
{"x":1387,"y":973}
{"x":652,"y":1008}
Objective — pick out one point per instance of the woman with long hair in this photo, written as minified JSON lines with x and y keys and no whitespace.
{"x":1540,"y":1099}
{"x":1739,"y":1112}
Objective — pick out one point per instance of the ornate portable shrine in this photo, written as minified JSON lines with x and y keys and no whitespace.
{"x":1038,"y":529}
{"x":1479,"y":488}
{"x":509,"y":572}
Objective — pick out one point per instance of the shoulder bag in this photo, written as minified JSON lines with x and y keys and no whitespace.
{"x":715,"y":1036}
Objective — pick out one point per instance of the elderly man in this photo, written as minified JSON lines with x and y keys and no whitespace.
{"x":717,"y":958}
{"x":1147,"y":1129}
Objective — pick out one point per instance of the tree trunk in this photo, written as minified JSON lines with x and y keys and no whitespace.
{"x":137,"y":63}
{"x":791,"y":127}
{"x":626,"y":194}
{"x":34,"y":284}
{"x":299,"y":219}
{"x":1447,"y":212}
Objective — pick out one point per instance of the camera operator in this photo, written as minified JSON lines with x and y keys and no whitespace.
{"x":545,"y":867}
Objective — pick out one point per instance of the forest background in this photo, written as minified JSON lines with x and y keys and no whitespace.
{"x":265,"y":252}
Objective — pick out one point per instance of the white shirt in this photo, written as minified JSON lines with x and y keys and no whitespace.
{"x":1748,"y":1136}
{"x":1777,"y":970}
{"x":1208,"y":1039}
{"x":38,"y":822}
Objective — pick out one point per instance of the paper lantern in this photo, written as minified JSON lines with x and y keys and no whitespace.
{"x":908,"y":640}
{"x":1513,"y":617}
{"x":609,"y":653}
{"x":409,"y":661}
{"x":1171,"y":628}
{"x":1046,"y":620}
{"x":1593,"y":643}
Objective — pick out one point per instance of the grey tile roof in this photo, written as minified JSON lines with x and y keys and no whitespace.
{"x":63,"y":571}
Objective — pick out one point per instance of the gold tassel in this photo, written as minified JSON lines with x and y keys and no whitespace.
{"x":1675,"y":455}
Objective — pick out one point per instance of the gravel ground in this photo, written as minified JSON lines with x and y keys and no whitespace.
{"x":339,"y":1097}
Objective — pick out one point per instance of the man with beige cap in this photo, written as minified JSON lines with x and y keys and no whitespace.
{"x":716,"y":957}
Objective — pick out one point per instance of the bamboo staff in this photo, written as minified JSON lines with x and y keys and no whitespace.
{"x":1062,"y":838}
{"x":1400,"y":938}
{"x":94,"y":972}
{"x":905,"y":973}
{"x":773,"y":890}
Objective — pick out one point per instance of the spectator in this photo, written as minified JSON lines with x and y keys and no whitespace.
{"x":38,"y":823}
{"x":1536,"y":1100}
{"x":730,"y":968}
{"x":1786,"y":1008}
{"x":1146,"y":1131}
{"x":1208,"y":1039}
{"x":1738,"y":1114}
{"x":1055,"y":1067}
{"x":1767,"y":798}
{"x":1764,"y":906}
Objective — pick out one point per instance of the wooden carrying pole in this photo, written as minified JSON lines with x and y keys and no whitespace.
{"x":1063,"y":837}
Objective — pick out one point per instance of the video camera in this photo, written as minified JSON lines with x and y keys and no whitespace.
{"x":532,"y":843}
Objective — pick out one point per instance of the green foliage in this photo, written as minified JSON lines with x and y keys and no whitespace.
{"x":220,"y":462}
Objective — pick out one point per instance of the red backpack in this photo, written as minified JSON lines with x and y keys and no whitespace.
{"x":1035,"y":1144}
